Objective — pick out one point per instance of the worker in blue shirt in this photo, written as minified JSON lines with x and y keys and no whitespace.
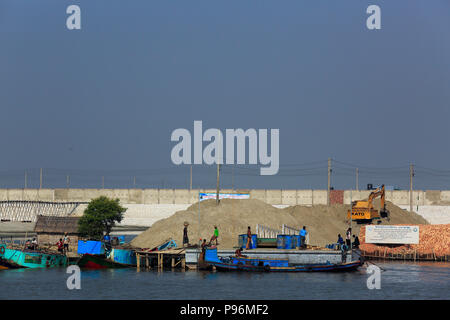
{"x":340,"y":241}
{"x":303,"y":234}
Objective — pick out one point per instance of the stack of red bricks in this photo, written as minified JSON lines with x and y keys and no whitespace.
{"x":433,"y":239}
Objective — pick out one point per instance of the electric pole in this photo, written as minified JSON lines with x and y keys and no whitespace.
{"x":190,"y":183}
{"x":218,"y":167}
{"x":357,"y":183}
{"x":329,"y":181}
{"x":26,"y":182}
{"x":218,"y":183}
{"x":232,"y":178}
{"x":40,"y":179}
{"x":67,"y":181}
{"x":411,"y":175}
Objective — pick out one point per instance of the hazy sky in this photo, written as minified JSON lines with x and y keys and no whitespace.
{"x":108,"y":96}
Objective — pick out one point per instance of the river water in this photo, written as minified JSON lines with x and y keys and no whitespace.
{"x":399,"y":280}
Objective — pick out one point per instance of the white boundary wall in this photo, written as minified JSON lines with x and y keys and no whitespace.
{"x":146,"y":206}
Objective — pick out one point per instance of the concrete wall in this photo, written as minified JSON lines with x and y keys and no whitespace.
{"x":146,"y":206}
{"x":434,"y":214}
{"x":185,"y":196}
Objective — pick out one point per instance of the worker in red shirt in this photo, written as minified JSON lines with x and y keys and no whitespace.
{"x":60,"y":245}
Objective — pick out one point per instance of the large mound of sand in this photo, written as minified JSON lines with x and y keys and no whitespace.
{"x":233,"y":216}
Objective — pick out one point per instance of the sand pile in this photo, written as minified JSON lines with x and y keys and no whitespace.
{"x":233,"y":216}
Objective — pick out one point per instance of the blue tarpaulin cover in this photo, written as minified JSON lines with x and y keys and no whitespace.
{"x":92,"y":247}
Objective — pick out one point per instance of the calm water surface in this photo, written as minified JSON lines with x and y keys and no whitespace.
{"x":398,"y":281}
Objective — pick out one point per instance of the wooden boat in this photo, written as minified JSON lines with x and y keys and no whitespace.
{"x":123,"y":256}
{"x":17,"y":258}
{"x":5,"y":265}
{"x":272,"y":265}
{"x":101,"y":255}
{"x":99,"y":261}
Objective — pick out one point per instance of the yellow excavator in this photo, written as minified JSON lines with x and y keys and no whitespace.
{"x":363,"y":211}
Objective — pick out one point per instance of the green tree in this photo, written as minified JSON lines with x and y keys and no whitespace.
{"x":99,"y":217}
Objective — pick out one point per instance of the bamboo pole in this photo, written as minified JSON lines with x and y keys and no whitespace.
{"x":138,"y":261}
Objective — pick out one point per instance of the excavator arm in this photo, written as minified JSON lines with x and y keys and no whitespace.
{"x":379,"y":192}
{"x":363,"y":211}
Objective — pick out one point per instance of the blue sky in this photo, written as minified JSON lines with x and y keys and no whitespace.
{"x":107,"y":97}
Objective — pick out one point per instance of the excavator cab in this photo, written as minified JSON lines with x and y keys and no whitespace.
{"x":363,"y":211}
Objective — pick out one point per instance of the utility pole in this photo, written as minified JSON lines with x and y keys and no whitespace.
{"x":134,"y":182}
{"x":103,"y":182}
{"x":411,"y":175}
{"x":351,"y":222}
{"x":218,"y":167}
{"x":67,"y":181}
{"x":329,"y":181}
{"x":190,"y":183}
{"x":26,"y":182}
{"x":199,"y":200}
{"x":357,"y":183}
{"x":218,"y":183}
{"x":40,"y":180}
{"x":232,"y":178}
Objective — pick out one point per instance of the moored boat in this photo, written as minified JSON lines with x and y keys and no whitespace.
{"x":123,"y":256}
{"x":272,"y":265}
{"x":17,"y":258}
{"x":100,"y":255}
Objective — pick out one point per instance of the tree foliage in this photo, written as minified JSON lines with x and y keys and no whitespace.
{"x":99,"y":217}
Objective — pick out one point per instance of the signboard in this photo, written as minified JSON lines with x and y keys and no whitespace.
{"x":392,"y":234}
{"x":205,"y":196}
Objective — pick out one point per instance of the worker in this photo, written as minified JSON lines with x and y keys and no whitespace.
{"x":303,"y":234}
{"x":348,"y":237}
{"x":215,"y":236}
{"x":60,"y":245}
{"x":355,"y":242}
{"x":185,"y":235}
{"x":34,"y":244}
{"x":340,"y":241}
{"x":249,"y":238}
{"x":204,"y":245}
{"x":66,"y":243}
{"x":238,"y":253}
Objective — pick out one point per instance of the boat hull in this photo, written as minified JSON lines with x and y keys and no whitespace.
{"x":5,"y":265}
{"x":91,"y":261}
{"x":272,"y":265}
{"x":351,"y":266}
{"x":123,"y":256}
{"x":15,"y":258}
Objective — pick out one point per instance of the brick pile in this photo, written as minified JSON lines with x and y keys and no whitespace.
{"x":434,"y":239}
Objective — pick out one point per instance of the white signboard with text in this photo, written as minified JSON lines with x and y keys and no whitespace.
{"x":392,"y":234}
{"x":206,"y":196}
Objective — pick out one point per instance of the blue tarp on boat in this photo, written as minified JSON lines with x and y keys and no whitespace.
{"x":124,"y":256}
{"x":91,"y":247}
{"x":211,"y":255}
